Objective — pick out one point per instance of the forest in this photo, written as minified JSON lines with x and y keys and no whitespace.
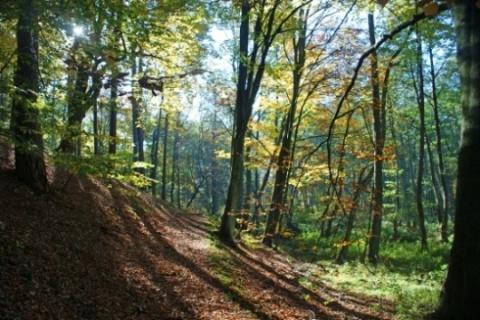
{"x":336,"y":133}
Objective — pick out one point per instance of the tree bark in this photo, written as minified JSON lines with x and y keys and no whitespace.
{"x":421,"y":143}
{"x":362,"y":185}
{"x":164,"y":161}
{"x":137,"y":128}
{"x":29,"y":159}
{"x":112,"y":144}
{"x":285,"y":157}
{"x":443,"y":208}
{"x":378,"y":141}
{"x":459,"y":298}
{"x":242,"y":114}
{"x":154,"y":153}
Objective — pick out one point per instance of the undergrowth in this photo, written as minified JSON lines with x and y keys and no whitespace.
{"x":407,"y":276}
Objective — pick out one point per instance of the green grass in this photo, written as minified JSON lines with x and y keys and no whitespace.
{"x":408,"y":277}
{"x":414,"y":294}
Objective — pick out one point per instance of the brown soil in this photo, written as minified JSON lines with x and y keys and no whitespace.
{"x":99,"y":249}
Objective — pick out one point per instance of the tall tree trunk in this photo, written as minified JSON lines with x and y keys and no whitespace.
{"x":378,"y":141}
{"x":284,"y":160}
{"x":96,"y":140}
{"x":164,"y":161}
{"x":399,"y":186}
{"x":175,"y":163}
{"x":154,"y":154}
{"x":112,"y":143}
{"x":435,"y":181}
{"x":361,"y":185}
{"x":421,"y":142}
{"x":214,"y":171}
{"x":441,"y":166}
{"x":242,"y":114}
{"x":29,"y":158}
{"x":137,"y":129}
{"x":250,"y":74}
{"x":459,"y":299}
{"x":77,"y":107}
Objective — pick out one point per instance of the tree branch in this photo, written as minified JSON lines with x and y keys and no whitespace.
{"x":416,"y":18}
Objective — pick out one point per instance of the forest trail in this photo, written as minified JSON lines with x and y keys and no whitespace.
{"x":99,"y":249}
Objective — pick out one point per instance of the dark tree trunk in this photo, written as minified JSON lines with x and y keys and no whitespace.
{"x":251,"y":70}
{"x":285,"y":158}
{"x":137,"y":128}
{"x":81,"y":97}
{"x":421,"y":143}
{"x":175,"y":163}
{"x":443,"y":208}
{"x":242,"y":115}
{"x":154,"y":159}
{"x":29,"y":158}
{"x":459,"y":299}
{"x":112,"y":144}
{"x":96,"y":140}
{"x":77,"y":107}
{"x":360,"y":186}
{"x":378,"y":141}
{"x":164,"y":161}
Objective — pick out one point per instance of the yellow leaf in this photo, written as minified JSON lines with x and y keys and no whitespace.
{"x":478,"y":3}
{"x":431,"y":9}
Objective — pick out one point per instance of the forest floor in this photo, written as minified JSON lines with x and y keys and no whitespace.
{"x":100,"y":249}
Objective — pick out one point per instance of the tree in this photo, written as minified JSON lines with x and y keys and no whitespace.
{"x":419,"y":89}
{"x":284,"y":160}
{"x":243,"y":111}
{"x":459,"y":298}
{"x":269,"y":23}
{"x":442,"y":206}
{"x":29,"y":158}
{"x":379,"y":141}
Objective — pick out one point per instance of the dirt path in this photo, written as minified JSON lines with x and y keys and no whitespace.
{"x":103,"y":250}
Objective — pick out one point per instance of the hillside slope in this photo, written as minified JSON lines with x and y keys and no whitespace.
{"x":99,"y":249}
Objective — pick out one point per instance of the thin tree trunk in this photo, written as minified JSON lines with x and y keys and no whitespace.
{"x":378,"y":141}
{"x":360,"y":186}
{"x":441,"y":165}
{"x":251,"y":70}
{"x":154,"y":154}
{"x":284,"y":160}
{"x":112,"y":143}
{"x":137,"y":129}
{"x":421,"y":143}
{"x":175,"y":164}
{"x":164,"y":162}
{"x":214,"y":171}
